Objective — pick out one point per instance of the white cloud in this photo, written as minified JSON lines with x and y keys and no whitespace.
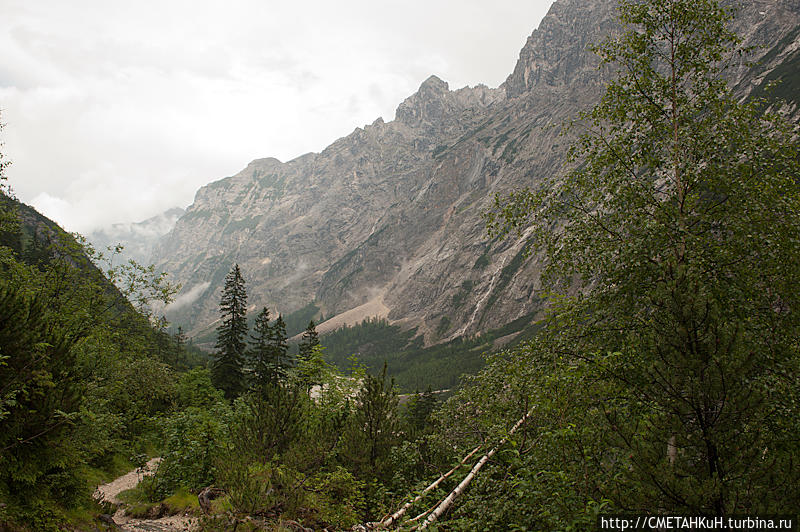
{"x":188,"y":298}
{"x":119,"y":110}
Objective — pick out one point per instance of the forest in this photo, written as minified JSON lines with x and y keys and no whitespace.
{"x":663,"y":379}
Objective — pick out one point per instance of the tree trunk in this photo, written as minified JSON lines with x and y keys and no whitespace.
{"x":448,"y":501}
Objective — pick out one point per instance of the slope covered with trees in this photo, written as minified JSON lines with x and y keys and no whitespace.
{"x":83,"y":374}
{"x":666,"y":378}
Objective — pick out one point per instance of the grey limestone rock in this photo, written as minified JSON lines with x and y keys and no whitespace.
{"x":387,"y":220}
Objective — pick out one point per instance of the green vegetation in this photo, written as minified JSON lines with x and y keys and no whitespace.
{"x":666,"y":379}
{"x":443,"y":327}
{"x":412,"y":365}
{"x":196,"y":214}
{"x":482,"y":262}
{"x":781,"y":83}
{"x":237,"y":225}
{"x":231,"y":336}
{"x":309,"y":341}
{"x":83,"y":374}
{"x":267,"y":356}
{"x":463,"y":293}
{"x":297,"y":321}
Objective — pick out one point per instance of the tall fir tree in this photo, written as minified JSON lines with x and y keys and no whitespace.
{"x":266,"y":370}
{"x":227,"y":368}
{"x":310,"y":339}
{"x":180,"y":338}
{"x":179,"y":348}
{"x":279,"y":347}
{"x":306,"y":363}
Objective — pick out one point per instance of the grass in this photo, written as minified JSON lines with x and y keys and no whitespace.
{"x":141,"y":510}
{"x":115,"y":465}
{"x":180,"y":502}
{"x":132,"y":496}
{"x":221,"y":505}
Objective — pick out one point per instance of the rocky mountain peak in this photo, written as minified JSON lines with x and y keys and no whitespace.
{"x":435,"y":103}
{"x":433,"y":85}
{"x":556,"y":54}
{"x":426,"y":106}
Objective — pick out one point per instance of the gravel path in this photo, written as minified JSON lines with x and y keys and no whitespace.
{"x":109,"y":492}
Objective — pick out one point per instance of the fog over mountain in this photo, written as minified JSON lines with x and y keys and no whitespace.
{"x":138,"y":238}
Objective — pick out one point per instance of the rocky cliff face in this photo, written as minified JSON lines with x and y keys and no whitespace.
{"x":386,"y":221}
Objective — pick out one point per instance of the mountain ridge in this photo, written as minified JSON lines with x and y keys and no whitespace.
{"x":389,"y":215}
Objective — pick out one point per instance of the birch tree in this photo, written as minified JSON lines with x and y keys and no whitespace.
{"x":674,"y":243}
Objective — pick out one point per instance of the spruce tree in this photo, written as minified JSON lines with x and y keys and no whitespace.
{"x":419,"y":410}
{"x":179,"y":345}
{"x":265,"y":370}
{"x":180,"y":338}
{"x":310,"y":339}
{"x":227,"y":367}
{"x":279,"y":348}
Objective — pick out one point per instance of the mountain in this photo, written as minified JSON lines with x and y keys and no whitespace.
{"x":138,"y":238}
{"x":387,"y":220}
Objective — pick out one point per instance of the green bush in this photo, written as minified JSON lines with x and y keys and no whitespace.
{"x":194,"y":388}
{"x":194,"y":441}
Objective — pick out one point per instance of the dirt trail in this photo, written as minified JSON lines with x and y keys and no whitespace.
{"x":110,"y":492}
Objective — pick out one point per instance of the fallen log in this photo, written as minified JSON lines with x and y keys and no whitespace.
{"x":448,"y":501}
{"x":395,"y":517}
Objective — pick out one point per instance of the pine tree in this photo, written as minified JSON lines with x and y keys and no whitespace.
{"x":419,"y":410}
{"x":179,"y":343}
{"x":311,"y":370}
{"x":265,"y":370}
{"x":279,"y":347}
{"x":180,"y":338}
{"x":310,"y":339}
{"x":227,"y":367}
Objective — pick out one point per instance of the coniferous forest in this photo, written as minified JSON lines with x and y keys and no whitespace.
{"x":662,"y":379}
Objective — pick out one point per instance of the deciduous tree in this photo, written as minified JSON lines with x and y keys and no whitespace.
{"x":674,"y":241}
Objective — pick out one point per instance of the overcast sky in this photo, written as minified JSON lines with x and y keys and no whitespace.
{"x":116,"y":111}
